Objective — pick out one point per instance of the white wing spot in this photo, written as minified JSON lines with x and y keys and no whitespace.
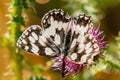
{"x":41,"y":42}
{"x":83,"y":58}
{"x":56,"y":12}
{"x":29,"y":29}
{"x":74,"y":56}
{"x":23,"y":36}
{"x":51,"y":13}
{"x":35,"y":48}
{"x":57,"y":39}
{"x":89,"y":50}
{"x":46,"y":16}
{"x":25,"y":42}
{"x":43,"y":38}
{"x":50,"y":30}
{"x":59,"y":25}
{"x":31,"y":39}
{"x":81,"y":16}
{"x":81,"y":48}
{"x":48,"y":51}
{"x":65,"y":26}
{"x":86,"y":18}
{"x":26,"y":33}
{"x":34,"y":27}
{"x":88,"y":45}
{"x":19,"y":42}
{"x":34,"y":35}
{"x":26,"y":48}
{"x":73,"y":43}
{"x":44,"y":20}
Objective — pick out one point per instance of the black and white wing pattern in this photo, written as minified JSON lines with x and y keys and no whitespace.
{"x":56,"y":25}
{"x":81,"y":50}
{"x":48,"y":39}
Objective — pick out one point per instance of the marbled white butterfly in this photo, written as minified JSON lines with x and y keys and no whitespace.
{"x":59,"y":34}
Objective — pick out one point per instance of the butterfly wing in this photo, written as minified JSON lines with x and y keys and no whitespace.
{"x":34,"y":40}
{"x":56,"y":25}
{"x":48,"y":39}
{"x":81,"y":50}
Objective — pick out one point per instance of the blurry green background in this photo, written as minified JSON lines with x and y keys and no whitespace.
{"x":19,"y":65}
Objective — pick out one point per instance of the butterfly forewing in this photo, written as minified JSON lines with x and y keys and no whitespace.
{"x":35,"y":40}
{"x":56,"y":25}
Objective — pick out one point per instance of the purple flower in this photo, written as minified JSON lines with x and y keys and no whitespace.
{"x":70,"y":67}
{"x":100,"y":41}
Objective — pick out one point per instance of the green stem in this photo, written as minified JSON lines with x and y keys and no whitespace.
{"x":15,"y":55}
{"x":16,"y":61}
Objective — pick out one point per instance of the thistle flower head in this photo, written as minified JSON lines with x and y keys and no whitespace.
{"x":70,"y":67}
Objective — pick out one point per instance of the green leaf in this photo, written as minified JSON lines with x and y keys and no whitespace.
{"x":19,"y":20}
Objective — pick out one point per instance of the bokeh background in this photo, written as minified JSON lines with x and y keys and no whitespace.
{"x":17,"y":15}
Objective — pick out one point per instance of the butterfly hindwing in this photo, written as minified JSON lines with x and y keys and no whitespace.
{"x":34,"y":40}
{"x":80,"y":51}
